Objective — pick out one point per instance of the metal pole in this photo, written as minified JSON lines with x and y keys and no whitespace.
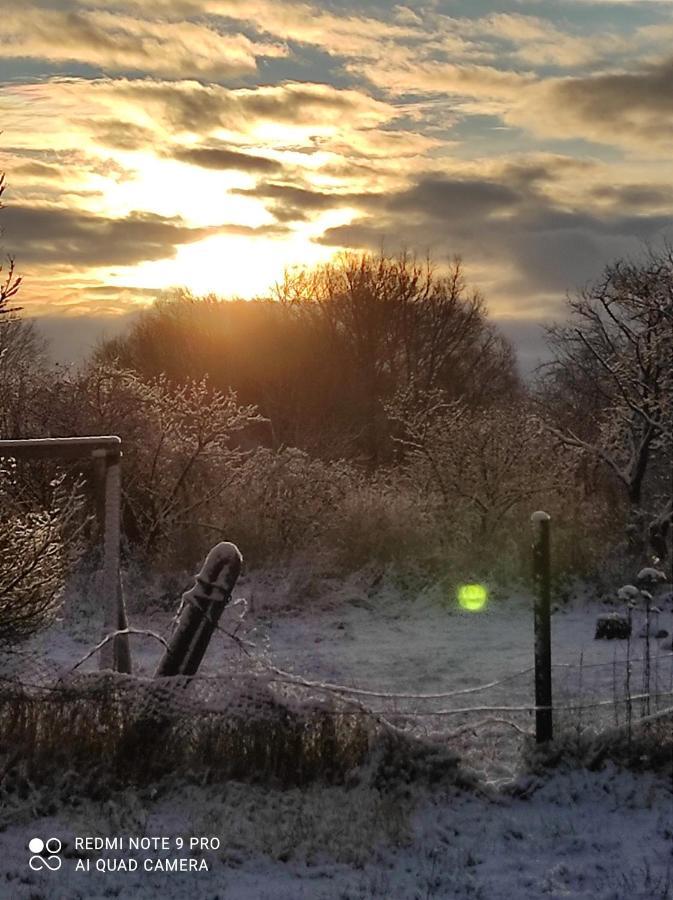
{"x":542,"y":578}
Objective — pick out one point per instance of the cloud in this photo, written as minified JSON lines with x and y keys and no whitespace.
{"x":118,"y":134}
{"x":290,"y":203}
{"x":290,"y":121}
{"x":535,"y":41}
{"x":634,"y":197}
{"x":78,"y":238}
{"x":190,"y":107}
{"x":114,"y":42}
{"x":510,"y":224}
{"x":468,"y":79}
{"x":631,"y":108}
{"x":273,"y":230}
{"x":441,"y":197}
{"x":37,"y":170}
{"x":336,"y":33}
{"x":223,"y":158}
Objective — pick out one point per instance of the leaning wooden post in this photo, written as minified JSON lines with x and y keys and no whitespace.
{"x":542,"y":578}
{"x":200,"y":611}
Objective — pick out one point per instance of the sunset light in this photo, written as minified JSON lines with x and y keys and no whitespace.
{"x":210,"y":145}
{"x":305,"y":307}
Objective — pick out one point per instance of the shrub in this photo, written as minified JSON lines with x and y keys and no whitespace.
{"x":37,"y":548}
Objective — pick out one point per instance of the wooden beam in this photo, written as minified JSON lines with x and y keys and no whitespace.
{"x":62,"y":448}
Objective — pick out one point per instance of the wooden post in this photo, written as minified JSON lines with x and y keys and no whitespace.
{"x":115,"y":654}
{"x":200,"y":611}
{"x":542,"y":578}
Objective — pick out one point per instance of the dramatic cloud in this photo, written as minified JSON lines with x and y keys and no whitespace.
{"x":191,"y":107}
{"x":220,"y":158}
{"x":123,"y":43}
{"x":344,"y":33}
{"x":291,"y":203}
{"x":538,"y":245}
{"x":460,"y":200}
{"x":629,"y":108}
{"x":77,"y":238}
{"x":531,"y":138}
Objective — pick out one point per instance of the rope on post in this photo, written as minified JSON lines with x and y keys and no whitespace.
{"x":542,"y":577}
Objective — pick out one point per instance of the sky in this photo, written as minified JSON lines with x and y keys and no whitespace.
{"x":213,"y":143}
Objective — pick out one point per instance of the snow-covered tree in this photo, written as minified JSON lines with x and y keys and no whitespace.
{"x":483,"y":464}
{"x":179,"y":441}
{"x":38,"y":545}
{"x":611,"y":380}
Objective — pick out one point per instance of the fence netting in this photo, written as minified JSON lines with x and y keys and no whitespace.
{"x":255,"y":718}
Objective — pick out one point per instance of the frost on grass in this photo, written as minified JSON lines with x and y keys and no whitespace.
{"x":576,"y":834}
{"x":651,"y":576}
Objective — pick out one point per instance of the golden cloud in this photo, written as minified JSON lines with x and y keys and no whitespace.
{"x":114,"y":42}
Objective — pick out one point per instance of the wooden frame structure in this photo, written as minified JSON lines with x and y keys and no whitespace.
{"x":104,"y":451}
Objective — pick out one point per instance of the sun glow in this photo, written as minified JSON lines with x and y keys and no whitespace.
{"x":229,"y":265}
{"x":242,"y":258}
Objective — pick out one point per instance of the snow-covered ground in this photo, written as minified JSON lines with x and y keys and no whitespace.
{"x":572,"y":834}
{"x":380,"y":638}
{"x":577,"y":835}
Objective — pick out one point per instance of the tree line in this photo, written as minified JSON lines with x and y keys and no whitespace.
{"x":322,"y":357}
{"x":368,"y":411}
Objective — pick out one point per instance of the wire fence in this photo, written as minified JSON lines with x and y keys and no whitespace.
{"x":589,"y":698}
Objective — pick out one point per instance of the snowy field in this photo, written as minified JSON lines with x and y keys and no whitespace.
{"x":577,"y":836}
{"x":571,"y":834}
{"x":378,"y":638}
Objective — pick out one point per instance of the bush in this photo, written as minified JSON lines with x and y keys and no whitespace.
{"x":37,"y":549}
{"x":385,"y":520}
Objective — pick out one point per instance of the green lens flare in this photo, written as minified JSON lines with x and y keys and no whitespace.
{"x":472,"y":597}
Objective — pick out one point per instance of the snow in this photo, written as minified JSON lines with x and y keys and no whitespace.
{"x":652,"y":575}
{"x":578,"y":835}
{"x":375,"y":635}
{"x":604,"y":835}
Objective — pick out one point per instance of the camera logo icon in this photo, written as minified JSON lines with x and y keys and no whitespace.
{"x":39,"y":860}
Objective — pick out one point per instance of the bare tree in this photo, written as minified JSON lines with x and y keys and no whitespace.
{"x":9,"y":280}
{"x":614,"y":362}
{"x":21,"y":356}
{"x":482,"y":464}
{"x":390,"y":323}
